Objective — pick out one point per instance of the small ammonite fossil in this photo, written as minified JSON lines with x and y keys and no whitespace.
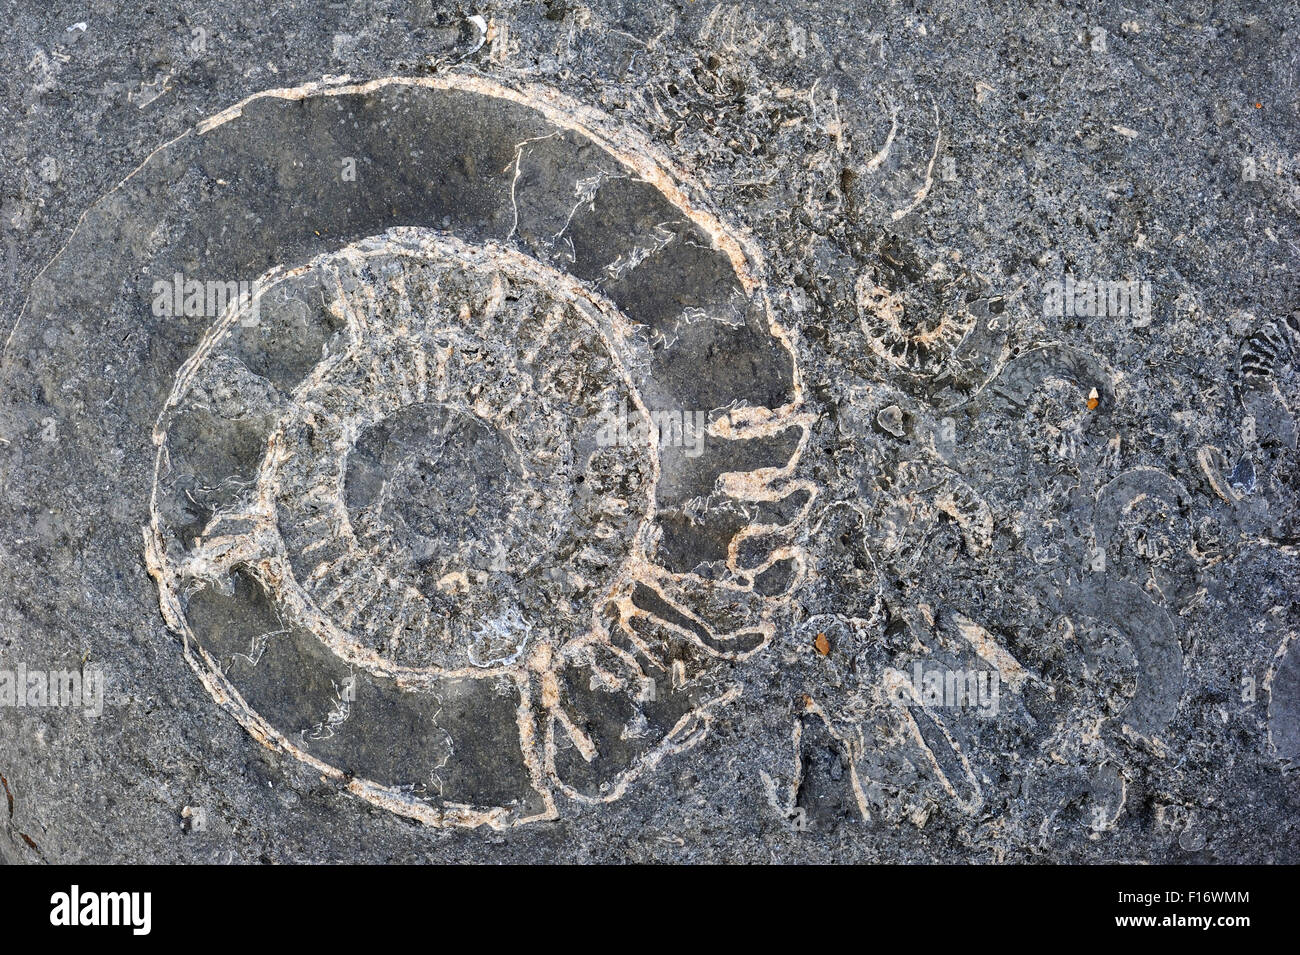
{"x":913,"y":318}
{"x":470,"y":499}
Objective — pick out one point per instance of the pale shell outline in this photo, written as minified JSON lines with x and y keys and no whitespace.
{"x":767,"y":484}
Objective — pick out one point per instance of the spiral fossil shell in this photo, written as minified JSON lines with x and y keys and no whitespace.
{"x":382,"y":518}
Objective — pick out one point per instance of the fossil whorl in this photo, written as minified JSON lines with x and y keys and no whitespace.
{"x":383,"y":517}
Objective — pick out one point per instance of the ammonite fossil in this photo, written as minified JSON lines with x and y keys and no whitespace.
{"x":469,"y":495}
{"x":914,"y":317}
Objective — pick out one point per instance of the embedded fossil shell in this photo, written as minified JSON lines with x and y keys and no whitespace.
{"x":387,"y":519}
{"x":914,"y":323}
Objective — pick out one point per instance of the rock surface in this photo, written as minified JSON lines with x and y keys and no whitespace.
{"x":650,"y":432}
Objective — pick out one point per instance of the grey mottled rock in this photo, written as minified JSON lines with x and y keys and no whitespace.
{"x":658,"y":431}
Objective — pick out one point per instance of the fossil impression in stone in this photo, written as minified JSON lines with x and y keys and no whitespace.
{"x":383,"y":519}
{"x":914,"y":322}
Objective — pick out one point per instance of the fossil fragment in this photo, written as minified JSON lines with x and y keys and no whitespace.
{"x":1141,"y":524}
{"x":913,"y":322}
